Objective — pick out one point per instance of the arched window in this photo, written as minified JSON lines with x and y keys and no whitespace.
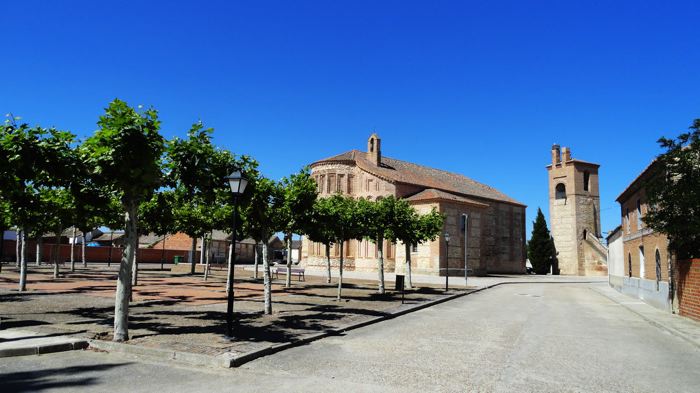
{"x":585,"y":233}
{"x":586,"y":180}
{"x":560,"y":191}
{"x":629,"y":264}
{"x":657,"y":259}
{"x":642,"y":263}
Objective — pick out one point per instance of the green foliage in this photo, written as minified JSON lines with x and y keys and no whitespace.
{"x":37,"y":169}
{"x":673,"y":192}
{"x":262,"y":211}
{"x":298,"y":196}
{"x":156,"y":214}
{"x":125,"y":153}
{"x":540,"y":248}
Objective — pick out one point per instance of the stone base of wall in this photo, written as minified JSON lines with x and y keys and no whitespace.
{"x":643,"y":289}
{"x":688,"y":288}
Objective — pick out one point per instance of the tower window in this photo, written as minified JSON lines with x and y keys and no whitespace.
{"x":560,"y":191}
{"x":586,"y":180}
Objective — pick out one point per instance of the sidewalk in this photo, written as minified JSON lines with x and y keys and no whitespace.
{"x":473,"y":282}
{"x":22,"y":342}
{"x":681,"y":327}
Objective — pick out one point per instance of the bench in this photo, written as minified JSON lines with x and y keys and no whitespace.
{"x":298,"y":271}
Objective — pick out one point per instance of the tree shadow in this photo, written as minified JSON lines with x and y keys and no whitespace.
{"x":52,"y":378}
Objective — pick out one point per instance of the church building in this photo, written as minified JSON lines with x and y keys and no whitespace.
{"x":492,"y":241}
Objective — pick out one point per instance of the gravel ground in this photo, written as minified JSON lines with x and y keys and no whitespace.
{"x":184,"y":313}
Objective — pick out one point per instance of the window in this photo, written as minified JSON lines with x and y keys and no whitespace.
{"x":642,"y":268}
{"x":414,"y":247}
{"x":331,"y":184}
{"x":627,"y":219}
{"x":639,"y":214}
{"x":340,"y":183}
{"x":586,"y":180}
{"x":657,"y":259}
{"x":560,"y":191}
{"x":629,"y":264}
{"x":585,"y":234}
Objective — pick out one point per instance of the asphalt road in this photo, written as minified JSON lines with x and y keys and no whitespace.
{"x":512,"y":338}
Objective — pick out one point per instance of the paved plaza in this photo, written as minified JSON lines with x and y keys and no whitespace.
{"x":532,"y":337}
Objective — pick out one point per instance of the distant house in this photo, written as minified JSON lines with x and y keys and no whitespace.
{"x":111,"y":238}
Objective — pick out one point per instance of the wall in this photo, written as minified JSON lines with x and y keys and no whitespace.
{"x":688,"y":288}
{"x":616,"y":259}
{"x":92,"y":254}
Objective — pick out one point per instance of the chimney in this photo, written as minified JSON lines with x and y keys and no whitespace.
{"x":374,"y":149}
{"x":566,"y":154}
{"x":556,"y":154}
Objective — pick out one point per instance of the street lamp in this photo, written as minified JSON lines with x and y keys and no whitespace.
{"x":447,"y":259}
{"x":238,"y":184}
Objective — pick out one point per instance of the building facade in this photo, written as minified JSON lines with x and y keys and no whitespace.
{"x":494,"y":240}
{"x":644,"y":252}
{"x":574,"y":212}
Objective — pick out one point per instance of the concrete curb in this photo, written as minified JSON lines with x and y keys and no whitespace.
{"x":41,"y":349}
{"x":229,"y":360}
{"x":651,"y":321}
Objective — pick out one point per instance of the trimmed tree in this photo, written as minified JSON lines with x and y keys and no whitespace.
{"x":299,"y":194}
{"x":125,"y":155}
{"x":540,"y":248}
{"x":321,"y":231}
{"x":262,"y":221}
{"x":673,"y":192}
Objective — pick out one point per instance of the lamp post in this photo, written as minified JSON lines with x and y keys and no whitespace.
{"x":447,"y":260}
{"x":238,"y":184}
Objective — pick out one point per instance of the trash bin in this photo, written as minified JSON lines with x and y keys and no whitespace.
{"x":399,"y":282}
{"x":178,"y":259}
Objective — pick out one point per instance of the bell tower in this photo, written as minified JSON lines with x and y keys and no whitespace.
{"x":374,"y":149}
{"x":574,"y":212}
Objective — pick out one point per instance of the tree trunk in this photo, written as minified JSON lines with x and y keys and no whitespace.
{"x":380,"y":264}
{"x":121,"y":305}
{"x":328,"y":263}
{"x":340,"y":271}
{"x":258,"y":256}
{"x":57,"y":253}
{"x":39,"y":249}
{"x":230,"y":265}
{"x":409,"y":283}
{"x":193,"y":253}
{"x":201,"y":253}
{"x":135,"y":269}
{"x":288,"y":282}
{"x":23,"y":264}
{"x":162,"y":253}
{"x":82,"y":250}
{"x":207,"y":259}
{"x":18,"y":257}
{"x":72,"y":251}
{"x":111,"y":246}
{"x":267,"y":282}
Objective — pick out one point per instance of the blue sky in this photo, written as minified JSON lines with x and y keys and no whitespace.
{"x":482,"y":88}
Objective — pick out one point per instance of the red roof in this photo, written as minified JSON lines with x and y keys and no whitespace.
{"x":398,"y":171}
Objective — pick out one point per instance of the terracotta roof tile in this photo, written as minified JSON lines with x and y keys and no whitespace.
{"x":432,"y":194}
{"x":409,"y":173}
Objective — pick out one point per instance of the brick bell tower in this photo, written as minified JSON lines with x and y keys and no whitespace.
{"x":574,"y":212}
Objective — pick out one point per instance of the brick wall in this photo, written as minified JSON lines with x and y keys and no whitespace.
{"x":688,"y":288}
{"x":92,"y":254}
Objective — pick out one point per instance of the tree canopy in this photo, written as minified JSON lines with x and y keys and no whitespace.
{"x":673,"y":192}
